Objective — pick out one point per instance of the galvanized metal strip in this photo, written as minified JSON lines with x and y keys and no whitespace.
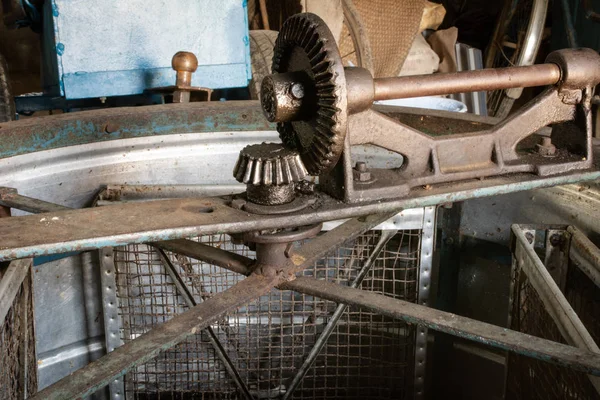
{"x":142,"y":349}
{"x":425,"y":266}
{"x":404,"y":220}
{"x":110,"y":308}
{"x":585,"y":254}
{"x":24,"y":345}
{"x":75,"y":230}
{"x":10,"y":283}
{"x":506,"y":339}
{"x":212,"y":337}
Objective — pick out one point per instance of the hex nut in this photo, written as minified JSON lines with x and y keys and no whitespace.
{"x":361,"y":176}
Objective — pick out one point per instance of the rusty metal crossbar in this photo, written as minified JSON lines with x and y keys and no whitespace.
{"x":85,"y":229}
{"x":456,"y":325}
{"x":413,"y":313}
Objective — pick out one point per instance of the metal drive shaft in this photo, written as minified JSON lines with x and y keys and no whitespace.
{"x":287,"y":96}
{"x":465,"y":81}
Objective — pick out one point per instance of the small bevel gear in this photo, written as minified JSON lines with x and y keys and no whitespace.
{"x":270,"y":172}
{"x":306,"y":46}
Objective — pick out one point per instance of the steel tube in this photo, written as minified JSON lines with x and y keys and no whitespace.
{"x":506,"y":339}
{"x":466,"y":81}
{"x":209,"y":254}
{"x":10,"y":198}
{"x":585,"y":254}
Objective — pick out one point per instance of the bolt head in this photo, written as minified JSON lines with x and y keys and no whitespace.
{"x":361,"y":166}
{"x":529,"y":236}
{"x":556,"y":239}
{"x":297,"y":90}
{"x":281,"y":100}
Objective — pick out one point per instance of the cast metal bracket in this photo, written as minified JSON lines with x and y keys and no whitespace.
{"x":323,"y":110}
{"x":501,"y":149}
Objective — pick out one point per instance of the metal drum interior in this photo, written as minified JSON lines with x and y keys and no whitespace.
{"x":367,"y":355}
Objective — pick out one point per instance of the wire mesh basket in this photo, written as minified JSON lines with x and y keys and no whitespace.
{"x":368,"y":356}
{"x":532,"y":313}
{"x":18,"y":368}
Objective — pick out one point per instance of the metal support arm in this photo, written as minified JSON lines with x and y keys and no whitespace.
{"x":138,"y":351}
{"x":542,"y":349}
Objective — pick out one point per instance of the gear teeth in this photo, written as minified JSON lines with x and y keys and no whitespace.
{"x":308,"y":33}
{"x":269,"y":164}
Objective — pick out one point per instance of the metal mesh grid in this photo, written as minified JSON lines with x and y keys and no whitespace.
{"x":534,"y":379}
{"x":367,"y":356}
{"x":18,"y":369}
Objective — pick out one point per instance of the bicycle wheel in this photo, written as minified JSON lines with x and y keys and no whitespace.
{"x":515,"y":42}
{"x":262,"y":43}
{"x":354,"y":39}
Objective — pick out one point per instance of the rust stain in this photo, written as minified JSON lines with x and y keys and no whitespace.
{"x":297,"y":259}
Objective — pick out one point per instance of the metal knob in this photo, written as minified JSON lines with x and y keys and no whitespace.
{"x":185,"y":63}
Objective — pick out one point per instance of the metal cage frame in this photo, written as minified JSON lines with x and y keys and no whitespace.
{"x":421,"y":220}
{"x":217,"y":217}
{"x":539,"y":304}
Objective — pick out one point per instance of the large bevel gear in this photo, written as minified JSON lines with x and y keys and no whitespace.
{"x":306,"y":44}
